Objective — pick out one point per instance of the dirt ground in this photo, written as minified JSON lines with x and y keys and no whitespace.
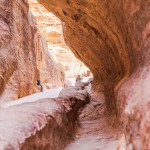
{"x":96,"y":129}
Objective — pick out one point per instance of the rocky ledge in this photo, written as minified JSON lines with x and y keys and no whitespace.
{"x":46,"y":124}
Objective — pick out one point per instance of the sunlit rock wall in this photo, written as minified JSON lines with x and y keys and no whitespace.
{"x":51,"y":28}
{"x":23,"y":53}
{"x":113,"y":39}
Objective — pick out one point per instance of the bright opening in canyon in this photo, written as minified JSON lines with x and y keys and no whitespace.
{"x":51,"y":29}
{"x":80,"y":82}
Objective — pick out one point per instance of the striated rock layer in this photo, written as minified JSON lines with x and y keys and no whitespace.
{"x":51,"y":28}
{"x":113,"y":39}
{"x":23,"y":53}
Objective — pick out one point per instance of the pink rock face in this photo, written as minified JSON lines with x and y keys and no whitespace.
{"x":47,"y":124}
{"x":23,"y":53}
{"x":113,"y":39}
{"x":134,"y":108}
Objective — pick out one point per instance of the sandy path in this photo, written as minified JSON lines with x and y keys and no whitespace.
{"x":94,"y":131}
{"x":52,"y":93}
{"x":34,"y":97}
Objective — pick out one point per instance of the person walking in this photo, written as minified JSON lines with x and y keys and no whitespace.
{"x":38,"y":82}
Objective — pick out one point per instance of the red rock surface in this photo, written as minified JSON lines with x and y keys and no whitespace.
{"x":47,"y":124}
{"x":112,"y":39}
{"x":23,"y":53}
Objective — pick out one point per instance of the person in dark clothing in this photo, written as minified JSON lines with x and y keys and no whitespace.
{"x":38,"y":82}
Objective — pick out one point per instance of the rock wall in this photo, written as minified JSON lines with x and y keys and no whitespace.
{"x":23,"y":53}
{"x":113,"y":39}
{"x":51,"y":28}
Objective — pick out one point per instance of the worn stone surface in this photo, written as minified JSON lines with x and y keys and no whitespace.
{"x":112,"y":39}
{"x":47,"y":124}
{"x":134,"y":108}
{"x":95,"y":130}
{"x":51,"y":28}
{"x":23,"y":53}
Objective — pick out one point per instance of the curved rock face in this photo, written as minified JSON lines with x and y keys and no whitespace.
{"x":51,"y":28}
{"x":98,"y":37}
{"x":113,"y":39}
{"x":23,"y":53}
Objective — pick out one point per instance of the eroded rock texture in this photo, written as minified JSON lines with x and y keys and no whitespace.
{"x":113,"y":39}
{"x":47,"y":124}
{"x":51,"y":28}
{"x":23,"y":53}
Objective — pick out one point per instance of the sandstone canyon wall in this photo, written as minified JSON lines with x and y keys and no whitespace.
{"x":51,"y":28}
{"x":23,"y":53}
{"x":113,"y":39}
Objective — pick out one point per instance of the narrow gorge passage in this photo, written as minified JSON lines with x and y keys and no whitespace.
{"x":95,"y":130}
{"x":110,"y":40}
{"x":113,"y":39}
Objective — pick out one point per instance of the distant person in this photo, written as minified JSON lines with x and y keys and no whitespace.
{"x":38,"y":82}
{"x":78,"y":79}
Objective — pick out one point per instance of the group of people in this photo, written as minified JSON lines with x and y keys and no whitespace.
{"x":79,"y":78}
